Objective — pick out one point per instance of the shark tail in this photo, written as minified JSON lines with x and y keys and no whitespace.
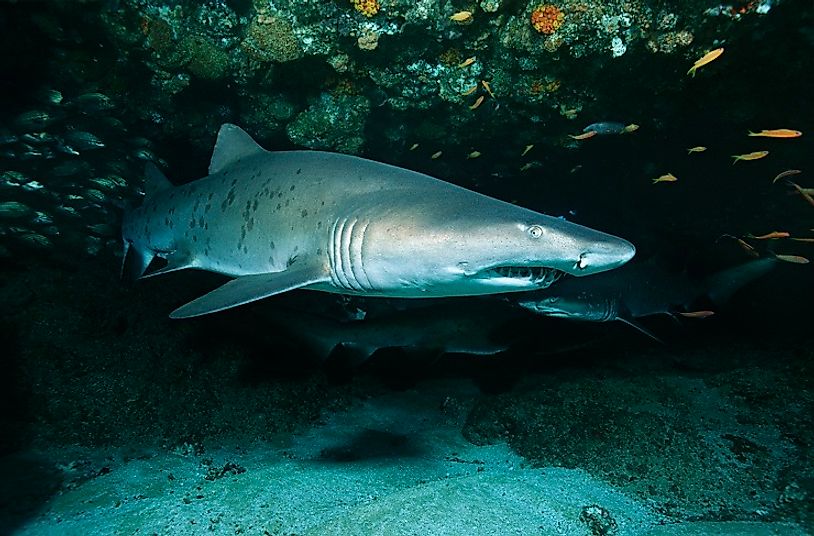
{"x":722,"y":285}
{"x":135,"y":261}
{"x":136,"y":258}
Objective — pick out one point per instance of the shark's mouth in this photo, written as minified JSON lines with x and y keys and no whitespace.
{"x":539,"y":276}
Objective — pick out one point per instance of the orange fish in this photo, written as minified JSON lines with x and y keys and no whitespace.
{"x":668,"y":177}
{"x":470,"y":91}
{"x":743,"y":244}
{"x":787,"y":173}
{"x":467,"y":62}
{"x":698,"y":149}
{"x":794,"y":259}
{"x":697,"y":314}
{"x":487,"y":88}
{"x":463,"y":17}
{"x":757,"y":155}
{"x":777,"y":133}
{"x":772,"y":235}
{"x":706,"y":58}
{"x":584,"y":136}
{"x":477,"y":103}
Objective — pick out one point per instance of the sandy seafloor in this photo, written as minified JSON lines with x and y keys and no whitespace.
{"x":119,"y":421}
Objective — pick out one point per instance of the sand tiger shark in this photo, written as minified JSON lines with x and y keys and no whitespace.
{"x":277,"y":221}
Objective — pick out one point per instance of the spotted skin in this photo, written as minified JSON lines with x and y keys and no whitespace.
{"x":344,"y":224}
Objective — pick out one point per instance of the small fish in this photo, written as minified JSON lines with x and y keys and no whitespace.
{"x":413,"y":147}
{"x":772,"y":235}
{"x":808,"y":240}
{"x":697,"y":314}
{"x":35,"y":240}
{"x":777,"y":133}
{"x":63,"y":147}
{"x":37,"y":137}
{"x":807,"y":196}
{"x":41,"y":218}
{"x":488,"y":88}
{"x":528,"y":148}
{"x":33,"y":119}
{"x":145,"y":154}
{"x":584,"y":135}
{"x":467,"y":62}
{"x":14,"y":209}
{"x":84,"y":140}
{"x":706,"y":58}
{"x":667,"y":177}
{"x":94,"y":195}
{"x":33,"y":186}
{"x":757,"y":155}
{"x":31,"y":153}
{"x":105,"y":183}
{"x":462,"y":17}
{"x":70,"y":211}
{"x":477,"y":103}
{"x":697,"y":149}
{"x":12,"y":178}
{"x":93,"y":102}
{"x":787,"y":173}
{"x":633,"y":127}
{"x":51,"y":96}
{"x":528,"y":165}
{"x":473,"y":154}
{"x":470,"y":91}
{"x":7,"y":139}
{"x":794,"y":259}
{"x":436,"y":155}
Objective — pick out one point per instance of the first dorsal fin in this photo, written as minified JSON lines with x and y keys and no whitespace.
{"x":154,"y":180}
{"x":232,"y":145}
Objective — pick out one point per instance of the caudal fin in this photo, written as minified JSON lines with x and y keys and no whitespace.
{"x":722,"y":285}
{"x":134,"y":262}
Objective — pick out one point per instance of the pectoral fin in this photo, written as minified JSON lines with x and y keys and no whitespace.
{"x":249,"y":288}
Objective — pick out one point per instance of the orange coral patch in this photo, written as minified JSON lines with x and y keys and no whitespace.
{"x":547,"y":18}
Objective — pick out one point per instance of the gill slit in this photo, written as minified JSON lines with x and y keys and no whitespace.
{"x":358,"y":265}
{"x":347,"y":259}
{"x":335,"y":255}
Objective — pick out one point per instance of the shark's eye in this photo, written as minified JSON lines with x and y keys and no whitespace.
{"x":536,"y":231}
{"x":582,"y":262}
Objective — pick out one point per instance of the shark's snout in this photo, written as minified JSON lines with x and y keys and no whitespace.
{"x":603,"y":255}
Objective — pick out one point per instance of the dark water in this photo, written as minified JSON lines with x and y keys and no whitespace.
{"x":90,"y":362}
